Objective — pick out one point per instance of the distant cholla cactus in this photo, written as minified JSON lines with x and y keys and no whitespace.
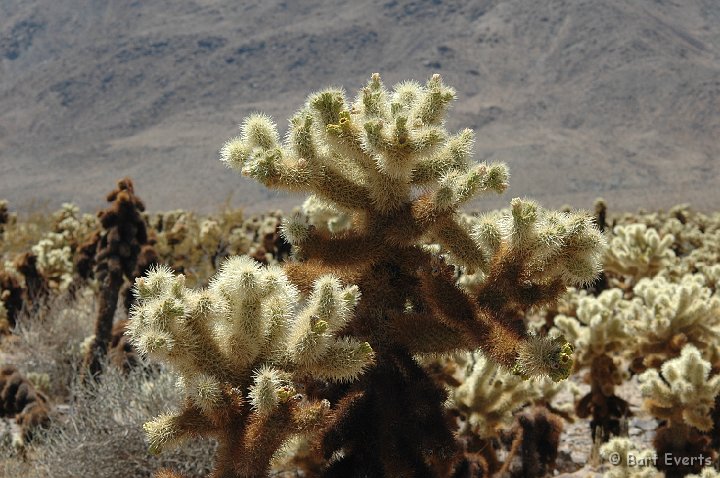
{"x":683,"y":391}
{"x":697,"y":239}
{"x":56,"y":248}
{"x":221,"y":236}
{"x":176,"y":241}
{"x":269,"y":246}
{"x":71,"y":224}
{"x":486,"y":399}
{"x":122,"y":251}
{"x":386,"y":160}
{"x":675,"y":314}
{"x":196,"y":246}
{"x":683,"y":394}
{"x":239,"y":348}
{"x":636,"y":251}
{"x":488,"y":396}
{"x":11,"y":296}
{"x":54,"y":260}
{"x":603,"y":325}
{"x":20,"y":399}
{"x":628,"y":461}
{"x":210,"y":232}
{"x":600,"y":207}
{"x":602,"y":328}
{"x":4,"y":215}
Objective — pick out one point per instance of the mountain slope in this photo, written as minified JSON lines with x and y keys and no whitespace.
{"x":581,"y":97}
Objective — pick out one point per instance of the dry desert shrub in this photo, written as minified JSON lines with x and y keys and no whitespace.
{"x":101,"y":436}
{"x":51,"y":342}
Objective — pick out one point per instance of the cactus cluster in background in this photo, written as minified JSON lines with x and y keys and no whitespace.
{"x":675,"y":314}
{"x":195,"y":246}
{"x":56,"y":250}
{"x":637,"y":251}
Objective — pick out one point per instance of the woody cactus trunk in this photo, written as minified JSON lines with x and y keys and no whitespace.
{"x":387,"y":161}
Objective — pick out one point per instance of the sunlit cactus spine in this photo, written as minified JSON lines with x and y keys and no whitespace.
{"x":239,"y":348}
{"x":387,"y":162}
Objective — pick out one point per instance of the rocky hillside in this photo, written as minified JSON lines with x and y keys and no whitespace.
{"x":581,"y":97}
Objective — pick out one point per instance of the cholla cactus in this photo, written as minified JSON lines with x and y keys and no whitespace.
{"x":637,"y":251}
{"x":486,"y":401}
{"x":11,"y":296}
{"x":536,"y":438}
{"x":600,"y":207}
{"x":486,"y":398}
{"x":238,"y":348}
{"x":221,"y":236}
{"x":122,"y":251}
{"x":36,"y":287}
{"x":72,"y":225}
{"x":20,"y":400}
{"x":602,"y":328}
{"x":55,"y":260}
{"x":177,"y":237}
{"x":675,"y":314}
{"x":683,"y":395}
{"x":386,"y":160}
{"x":4,"y":215}
{"x":55,"y":250}
{"x":602,"y":325}
{"x":628,"y":461}
{"x":697,"y":240}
